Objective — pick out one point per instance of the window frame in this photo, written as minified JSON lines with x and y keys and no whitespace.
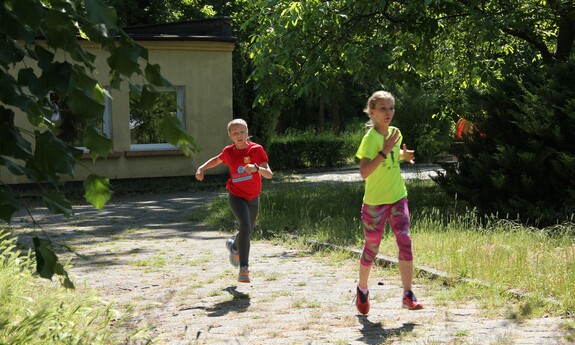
{"x":106,"y":119}
{"x":180,"y":114}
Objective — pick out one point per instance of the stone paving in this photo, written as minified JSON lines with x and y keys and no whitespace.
{"x":169,"y":275}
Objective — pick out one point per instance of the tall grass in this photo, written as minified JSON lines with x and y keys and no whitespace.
{"x":446,"y":235}
{"x":36,"y":311}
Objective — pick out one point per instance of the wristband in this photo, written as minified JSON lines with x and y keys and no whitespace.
{"x":257,"y":166}
{"x":383,"y":154}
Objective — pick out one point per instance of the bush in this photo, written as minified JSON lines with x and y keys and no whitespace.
{"x":306,"y":150}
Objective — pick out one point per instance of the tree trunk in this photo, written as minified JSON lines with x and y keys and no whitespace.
{"x":321,"y":115}
{"x":335,"y":115}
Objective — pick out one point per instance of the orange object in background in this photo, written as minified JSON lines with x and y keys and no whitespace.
{"x":463,"y":127}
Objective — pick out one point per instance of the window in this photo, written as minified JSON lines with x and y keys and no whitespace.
{"x":145,"y":123}
{"x":70,"y":129}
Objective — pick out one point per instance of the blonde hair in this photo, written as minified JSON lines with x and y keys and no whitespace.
{"x":237,"y":122}
{"x":372,"y":100}
{"x":376,"y":96}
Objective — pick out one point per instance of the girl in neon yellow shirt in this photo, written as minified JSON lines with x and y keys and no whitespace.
{"x":385,"y":197}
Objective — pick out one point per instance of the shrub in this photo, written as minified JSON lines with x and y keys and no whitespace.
{"x":306,"y":150}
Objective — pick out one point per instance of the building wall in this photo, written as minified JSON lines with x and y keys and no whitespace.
{"x":204,"y":68}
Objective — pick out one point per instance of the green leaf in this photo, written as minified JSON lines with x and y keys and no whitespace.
{"x":13,"y":27}
{"x":45,"y":257}
{"x":81,"y":55}
{"x":97,"y":142}
{"x":8,"y":204}
{"x":29,"y":12}
{"x":11,"y":93}
{"x":154,"y":76}
{"x":86,"y":103}
{"x":13,"y":167}
{"x":58,"y":77}
{"x":27,"y":77}
{"x":97,"y":190}
{"x":68,"y":284}
{"x":171,"y":130}
{"x":59,"y":29}
{"x":56,"y":202}
{"x":47,"y":262}
{"x":124,"y":59}
{"x":44,"y":56}
{"x":99,"y":13}
{"x":10,"y":52}
{"x":11,"y":141}
{"x":52,"y":155}
{"x":148,"y":97}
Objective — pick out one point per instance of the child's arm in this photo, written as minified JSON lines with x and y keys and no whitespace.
{"x":367,"y":166}
{"x":212,"y":162}
{"x":264,"y":169}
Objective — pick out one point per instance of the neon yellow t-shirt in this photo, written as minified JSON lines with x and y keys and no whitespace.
{"x":385,"y":185}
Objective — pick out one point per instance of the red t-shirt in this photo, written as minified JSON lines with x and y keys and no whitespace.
{"x":240,"y":183}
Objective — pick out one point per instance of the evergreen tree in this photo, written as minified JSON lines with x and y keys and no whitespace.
{"x":520,"y":159}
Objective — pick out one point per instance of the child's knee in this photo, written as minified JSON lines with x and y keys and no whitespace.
{"x":365,"y":261}
{"x":404,"y":246}
{"x":405,"y":255}
{"x":369,"y":253}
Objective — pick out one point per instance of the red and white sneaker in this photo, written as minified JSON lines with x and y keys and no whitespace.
{"x":362,"y":302}
{"x":410,"y":301}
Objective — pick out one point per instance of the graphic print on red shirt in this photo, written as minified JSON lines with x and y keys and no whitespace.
{"x":241,"y":183}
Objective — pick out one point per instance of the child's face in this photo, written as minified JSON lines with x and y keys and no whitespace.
{"x":383,"y":112}
{"x":239,"y":135}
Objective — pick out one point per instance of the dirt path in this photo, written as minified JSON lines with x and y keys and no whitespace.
{"x":146,"y":253}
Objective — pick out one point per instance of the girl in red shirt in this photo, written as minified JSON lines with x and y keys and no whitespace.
{"x":247,"y":162}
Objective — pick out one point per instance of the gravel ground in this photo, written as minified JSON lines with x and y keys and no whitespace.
{"x":146,"y":255}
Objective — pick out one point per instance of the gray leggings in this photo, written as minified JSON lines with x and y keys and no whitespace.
{"x":246,"y":212}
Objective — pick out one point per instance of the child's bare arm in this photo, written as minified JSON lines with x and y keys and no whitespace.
{"x":210,"y":163}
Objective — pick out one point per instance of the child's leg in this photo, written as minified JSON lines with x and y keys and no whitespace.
{"x":241,"y":209}
{"x":373,"y":218}
{"x":399,"y":222}
{"x":254,"y":206}
{"x":406,"y":272}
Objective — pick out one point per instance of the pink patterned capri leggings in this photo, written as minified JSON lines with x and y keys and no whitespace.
{"x":374,"y":218}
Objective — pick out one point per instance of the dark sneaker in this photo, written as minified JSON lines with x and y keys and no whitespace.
{"x":244,"y":276}
{"x":410,"y":301}
{"x":362,"y":302}
{"x":234,"y":256}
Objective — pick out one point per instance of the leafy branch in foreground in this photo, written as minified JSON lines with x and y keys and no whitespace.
{"x":42,"y":57}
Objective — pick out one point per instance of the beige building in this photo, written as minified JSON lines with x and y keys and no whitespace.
{"x":196,"y":57}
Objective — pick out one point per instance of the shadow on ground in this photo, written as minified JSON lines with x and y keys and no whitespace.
{"x":374,"y":332}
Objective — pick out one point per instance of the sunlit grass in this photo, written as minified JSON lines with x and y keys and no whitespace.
{"x":36,"y":310}
{"x":536,"y":265}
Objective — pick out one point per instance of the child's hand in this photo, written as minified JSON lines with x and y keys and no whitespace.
{"x":251,"y":168}
{"x":407,"y":155}
{"x":199,"y":174}
{"x":389,"y":144}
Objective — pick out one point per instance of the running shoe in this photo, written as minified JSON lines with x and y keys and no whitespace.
{"x":244,"y":276}
{"x":234,"y":256}
{"x":362,"y":302}
{"x":410,"y":301}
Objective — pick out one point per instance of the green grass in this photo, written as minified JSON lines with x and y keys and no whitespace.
{"x":38,"y":311}
{"x":536,"y":265}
